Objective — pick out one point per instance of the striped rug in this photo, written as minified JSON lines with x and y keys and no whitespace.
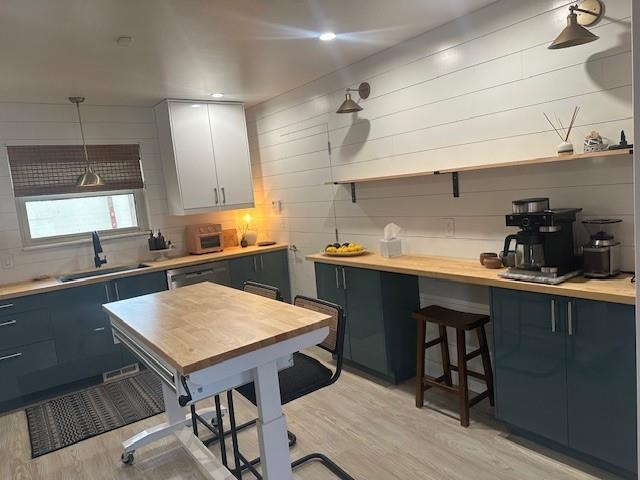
{"x":74,"y":417}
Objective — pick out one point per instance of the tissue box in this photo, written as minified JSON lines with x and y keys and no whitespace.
{"x":391,"y":248}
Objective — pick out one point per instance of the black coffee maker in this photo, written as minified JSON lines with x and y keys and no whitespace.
{"x":544,"y":245}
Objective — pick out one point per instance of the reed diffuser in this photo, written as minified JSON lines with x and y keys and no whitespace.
{"x":566,"y":147}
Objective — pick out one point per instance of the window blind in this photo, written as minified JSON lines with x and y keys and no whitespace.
{"x":54,"y":169}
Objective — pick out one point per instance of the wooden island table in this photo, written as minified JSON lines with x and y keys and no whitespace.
{"x":205,"y":339}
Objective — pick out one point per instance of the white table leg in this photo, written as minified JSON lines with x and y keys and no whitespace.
{"x":177,"y":421}
{"x":272,"y":427}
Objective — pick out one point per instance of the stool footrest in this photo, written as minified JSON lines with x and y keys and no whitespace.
{"x":433,"y":343}
{"x":474,"y":354}
{"x":471,"y":373}
{"x":428,"y":382}
{"x":478,"y":398}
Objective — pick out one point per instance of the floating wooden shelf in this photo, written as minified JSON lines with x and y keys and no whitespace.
{"x":456,"y":171}
{"x":516,"y":163}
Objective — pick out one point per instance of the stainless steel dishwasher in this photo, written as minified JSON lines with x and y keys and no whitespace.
{"x":215,"y":272}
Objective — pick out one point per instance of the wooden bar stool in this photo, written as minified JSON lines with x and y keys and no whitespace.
{"x":462,"y":322}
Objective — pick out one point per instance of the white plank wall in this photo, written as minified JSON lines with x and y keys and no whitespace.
{"x":470,"y":92}
{"x":22,"y":124}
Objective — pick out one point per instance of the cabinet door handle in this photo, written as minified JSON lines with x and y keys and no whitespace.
{"x":99,"y":329}
{"x":215,"y":191}
{"x":261,"y":263}
{"x":115,"y":286}
{"x":570,"y":318}
{"x":6,"y":305}
{"x":224,"y":196}
{"x":6,"y":324}
{"x":337,"y":278}
{"x":553,"y":316}
{"x":9,"y":357}
{"x":344,"y":279}
{"x":255,"y":265}
{"x":106,"y":291}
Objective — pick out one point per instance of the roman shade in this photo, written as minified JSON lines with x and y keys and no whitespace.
{"x":54,"y":169}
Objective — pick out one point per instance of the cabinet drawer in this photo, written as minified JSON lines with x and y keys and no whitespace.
{"x":85,"y":345}
{"x":19,"y":366}
{"x":24,"y":328}
{"x":21,"y":304}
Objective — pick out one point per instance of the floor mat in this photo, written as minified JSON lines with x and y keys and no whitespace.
{"x":74,"y":417}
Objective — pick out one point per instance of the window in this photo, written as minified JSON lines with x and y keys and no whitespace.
{"x":66,"y":217}
{"x":53,"y":209}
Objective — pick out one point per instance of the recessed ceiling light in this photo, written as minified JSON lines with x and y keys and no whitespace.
{"x":217,"y":95}
{"x":124,"y":41}
{"x":196,"y":105}
{"x":327,"y":36}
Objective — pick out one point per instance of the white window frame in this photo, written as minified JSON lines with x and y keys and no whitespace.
{"x":32,"y":243}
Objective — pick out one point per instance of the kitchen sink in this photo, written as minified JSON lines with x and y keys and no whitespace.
{"x":98,"y":273}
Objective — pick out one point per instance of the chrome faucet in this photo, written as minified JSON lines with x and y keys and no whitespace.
{"x":97,"y":250}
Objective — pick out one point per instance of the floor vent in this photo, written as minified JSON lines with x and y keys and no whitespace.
{"x":120,"y":373}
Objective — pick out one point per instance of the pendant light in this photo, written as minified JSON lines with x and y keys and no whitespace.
{"x":575,"y":32}
{"x":349,"y":105}
{"x":89,"y":178}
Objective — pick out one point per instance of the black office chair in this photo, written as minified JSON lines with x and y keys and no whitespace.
{"x":263,"y":290}
{"x":305,"y":376}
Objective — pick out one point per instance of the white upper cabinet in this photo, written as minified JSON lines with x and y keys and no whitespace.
{"x":205,"y":156}
{"x":231,"y":152}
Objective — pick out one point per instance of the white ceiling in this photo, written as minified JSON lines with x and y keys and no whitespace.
{"x":251,"y":50}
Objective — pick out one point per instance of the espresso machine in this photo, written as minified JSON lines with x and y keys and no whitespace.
{"x":545,"y":249}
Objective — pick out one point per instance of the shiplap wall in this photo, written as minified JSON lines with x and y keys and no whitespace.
{"x":23,"y":124}
{"x":469,"y":92}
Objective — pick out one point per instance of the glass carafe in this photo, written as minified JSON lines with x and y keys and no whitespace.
{"x":529,"y":251}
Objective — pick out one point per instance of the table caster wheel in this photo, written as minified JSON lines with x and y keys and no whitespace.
{"x":127,"y":458}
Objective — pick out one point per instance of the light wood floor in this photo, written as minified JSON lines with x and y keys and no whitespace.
{"x":372,"y":430}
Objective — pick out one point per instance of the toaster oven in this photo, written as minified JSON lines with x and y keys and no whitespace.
{"x":204,"y":238}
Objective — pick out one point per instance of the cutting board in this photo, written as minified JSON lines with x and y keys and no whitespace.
{"x":230,"y":238}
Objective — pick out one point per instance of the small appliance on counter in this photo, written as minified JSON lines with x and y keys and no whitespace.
{"x":204,"y":238}
{"x":601,"y":255}
{"x":544,"y":250}
{"x":159,"y":246}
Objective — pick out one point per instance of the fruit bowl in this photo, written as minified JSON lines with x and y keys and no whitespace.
{"x":344,"y":250}
{"x":345,"y":254}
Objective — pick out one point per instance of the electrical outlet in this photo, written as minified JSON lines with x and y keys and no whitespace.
{"x":449,"y":227}
{"x":6,"y":261}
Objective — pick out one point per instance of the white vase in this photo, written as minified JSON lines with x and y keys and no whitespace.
{"x":251,"y":236}
{"x":565,"y":148}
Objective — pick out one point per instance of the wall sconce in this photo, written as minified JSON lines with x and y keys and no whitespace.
{"x":575,"y":33}
{"x":350,"y":106}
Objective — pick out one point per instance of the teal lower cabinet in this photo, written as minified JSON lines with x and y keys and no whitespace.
{"x":53,"y":340}
{"x":271,"y":268}
{"x":565,"y":372}
{"x":380,"y":336}
{"x":138,"y":285}
{"x":601,"y":382}
{"x":82,"y":333}
{"x":530,"y":363}
{"x":21,"y":370}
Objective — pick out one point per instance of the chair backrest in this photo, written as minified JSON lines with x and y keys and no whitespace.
{"x":334,"y":342}
{"x":263,"y":290}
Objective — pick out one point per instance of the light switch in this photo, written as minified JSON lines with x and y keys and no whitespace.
{"x":449,"y":227}
{"x":6,"y":261}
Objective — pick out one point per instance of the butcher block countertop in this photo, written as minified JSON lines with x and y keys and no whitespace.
{"x":33,"y":287}
{"x":200,"y":325}
{"x":616,"y":290}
